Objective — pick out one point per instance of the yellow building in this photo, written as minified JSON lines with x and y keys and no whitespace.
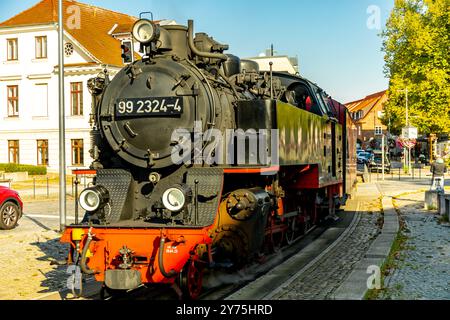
{"x":367,"y":114}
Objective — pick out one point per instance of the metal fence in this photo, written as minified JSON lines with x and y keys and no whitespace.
{"x":396,"y":172}
{"x":45,"y":187}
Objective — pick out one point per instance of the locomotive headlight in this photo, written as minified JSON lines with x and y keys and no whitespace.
{"x":177,"y":197}
{"x":94,"y":198}
{"x":145,"y":31}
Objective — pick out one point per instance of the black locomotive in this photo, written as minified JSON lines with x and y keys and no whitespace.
{"x":202,"y":160}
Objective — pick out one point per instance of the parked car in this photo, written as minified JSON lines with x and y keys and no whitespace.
{"x":11,"y":208}
{"x":364,"y":158}
{"x":376,"y":163}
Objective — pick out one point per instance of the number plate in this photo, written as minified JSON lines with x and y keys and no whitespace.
{"x":155,"y":106}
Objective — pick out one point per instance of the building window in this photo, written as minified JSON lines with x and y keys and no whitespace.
{"x":360,"y":114}
{"x":13,"y":101}
{"x":380,"y":114}
{"x":13,"y":49}
{"x":76,"y":98}
{"x":77,"y":152}
{"x":42,"y":152}
{"x":13,"y":151}
{"x":41,"y":47}
{"x":40,"y":106}
{"x":68,"y":49}
{"x":378,"y":131}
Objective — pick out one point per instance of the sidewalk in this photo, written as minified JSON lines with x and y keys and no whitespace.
{"x":379,"y":253}
{"x":421,"y":268}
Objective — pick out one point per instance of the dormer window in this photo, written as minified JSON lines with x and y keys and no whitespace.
{"x":360,"y":114}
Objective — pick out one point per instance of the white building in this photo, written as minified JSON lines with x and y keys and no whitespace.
{"x":280,"y":63}
{"x":29,"y":79}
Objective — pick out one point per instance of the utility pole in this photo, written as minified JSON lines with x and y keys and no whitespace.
{"x":382,"y":157}
{"x":407,"y":126}
{"x":407,"y":156}
{"x":407,"y":111}
{"x":62,"y":149}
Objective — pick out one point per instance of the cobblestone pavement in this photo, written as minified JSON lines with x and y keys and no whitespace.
{"x":423,"y":267}
{"x":320,"y":281}
{"x":25,"y":254}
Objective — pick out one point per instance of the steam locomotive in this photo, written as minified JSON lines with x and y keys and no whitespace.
{"x":202,"y":162}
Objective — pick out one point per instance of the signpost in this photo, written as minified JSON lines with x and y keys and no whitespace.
{"x":409,"y":136}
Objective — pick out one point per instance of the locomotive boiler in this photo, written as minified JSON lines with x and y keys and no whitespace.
{"x":203,"y":162}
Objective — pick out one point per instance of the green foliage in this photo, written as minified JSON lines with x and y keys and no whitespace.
{"x":416,"y":45}
{"x":32,"y":170}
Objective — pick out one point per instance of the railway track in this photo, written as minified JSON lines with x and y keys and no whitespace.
{"x":258,"y":281}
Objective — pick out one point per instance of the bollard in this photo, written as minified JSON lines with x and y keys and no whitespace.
{"x":431,"y":200}
{"x":34,"y":188}
{"x":413,"y":172}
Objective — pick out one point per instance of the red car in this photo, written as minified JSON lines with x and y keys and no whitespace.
{"x":11,"y":207}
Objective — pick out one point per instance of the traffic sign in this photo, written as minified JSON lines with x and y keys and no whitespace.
{"x":409,"y":133}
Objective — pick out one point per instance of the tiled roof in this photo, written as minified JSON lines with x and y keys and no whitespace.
{"x":123,"y":28}
{"x":367,"y":103}
{"x":95,"y":23}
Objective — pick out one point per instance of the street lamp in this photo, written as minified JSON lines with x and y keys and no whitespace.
{"x":407,"y":161}
{"x":62,"y":149}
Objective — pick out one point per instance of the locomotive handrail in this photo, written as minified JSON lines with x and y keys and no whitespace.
{"x":197,"y":52}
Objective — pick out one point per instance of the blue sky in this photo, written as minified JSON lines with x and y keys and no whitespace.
{"x":335,"y":47}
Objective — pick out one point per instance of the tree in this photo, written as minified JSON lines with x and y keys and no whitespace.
{"x":416,"y":44}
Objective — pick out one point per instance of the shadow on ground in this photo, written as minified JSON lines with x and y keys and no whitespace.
{"x":52,"y":250}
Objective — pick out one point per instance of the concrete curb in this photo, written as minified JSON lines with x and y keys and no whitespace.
{"x":355,"y":286}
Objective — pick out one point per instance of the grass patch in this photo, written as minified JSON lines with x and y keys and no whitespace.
{"x":443,"y":219}
{"x":392,"y":261}
{"x":389,"y":265}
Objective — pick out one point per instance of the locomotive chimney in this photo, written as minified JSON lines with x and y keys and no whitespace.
{"x":178,"y":36}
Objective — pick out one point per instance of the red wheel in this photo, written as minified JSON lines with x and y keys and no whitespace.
{"x":275,"y":239}
{"x":191,"y":280}
{"x":290,"y":233}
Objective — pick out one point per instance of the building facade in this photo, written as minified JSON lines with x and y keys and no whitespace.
{"x":29,"y":108}
{"x":279,"y":63}
{"x":367,"y":114}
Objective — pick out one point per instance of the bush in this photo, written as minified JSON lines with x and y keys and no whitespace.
{"x":32,"y":170}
